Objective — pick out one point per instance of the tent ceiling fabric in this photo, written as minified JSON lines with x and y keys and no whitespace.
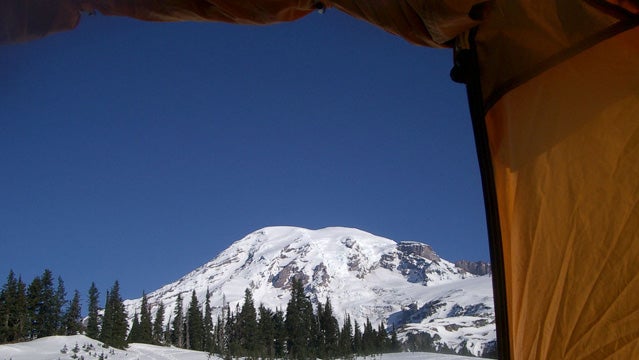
{"x":422,"y":22}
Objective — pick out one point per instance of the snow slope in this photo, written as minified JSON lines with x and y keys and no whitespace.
{"x":49,"y":348}
{"x":406,"y":284}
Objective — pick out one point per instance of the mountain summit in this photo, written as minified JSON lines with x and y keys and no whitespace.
{"x":405,"y":285}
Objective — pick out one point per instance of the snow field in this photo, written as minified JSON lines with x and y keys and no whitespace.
{"x":49,"y":349}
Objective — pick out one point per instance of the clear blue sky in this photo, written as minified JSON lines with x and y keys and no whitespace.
{"x":138,"y":151}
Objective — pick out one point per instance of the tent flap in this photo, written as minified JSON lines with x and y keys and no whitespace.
{"x":422,"y":22}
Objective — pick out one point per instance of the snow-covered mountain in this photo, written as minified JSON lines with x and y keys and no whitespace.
{"x":406,"y":284}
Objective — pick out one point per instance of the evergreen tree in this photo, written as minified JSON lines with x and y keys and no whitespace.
{"x":346,"y":338}
{"x":318,"y":339}
{"x":106,"y":330}
{"x":195,"y":327}
{"x":209,"y":341}
{"x":279,"y":331}
{"x":114,"y":324}
{"x":49,"y":312}
{"x":266,"y":333}
{"x":5,"y":309}
{"x":158,"y":331}
{"x":247,"y":325}
{"x":231,"y":338}
{"x":329,"y":329}
{"x":20,"y":320}
{"x":383,"y":342}
{"x":59,"y":302}
{"x":92,"y":324}
{"x":13,"y":310}
{"x":357,"y":339}
{"x":43,"y":306}
{"x":146,"y":327}
{"x":134,"y":334}
{"x":177,"y":329}
{"x":72,"y":317}
{"x":299,"y":323}
{"x":34,"y":305}
{"x":369,"y":339}
{"x":220,"y":338}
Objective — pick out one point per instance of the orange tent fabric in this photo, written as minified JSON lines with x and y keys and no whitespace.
{"x":558,"y":95}
{"x":562,"y":92}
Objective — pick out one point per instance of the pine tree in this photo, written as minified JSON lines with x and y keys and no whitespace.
{"x":195,"y":328}
{"x":209,"y":341}
{"x":383,"y":342}
{"x":247,"y":324}
{"x":279,"y":332}
{"x":19,"y":322}
{"x":395,"y":345}
{"x":72,"y":317}
{"x":92,"y":324}
{"x":318,"y":335}
{"x":177,"y":328}
{"x":346,"y":338}
{"x":114,"y":324}
{"x":146,"y":327}
{"x":5,"y":300}
{"x":299,"y":323}
{"x":158,"y":331}
{"x":231,"y":338}
{"x":34,"y":305}
{"x":59,"y":302}
{"x":134,"y":334}
{"x":13,"y":310}
{"x":266,"y":333}
{"x":357,"y":339}
{"x":330,"y":330}
{"x":369,"y":339}
{"x":220,"y":338}
{"x":43,"y":306}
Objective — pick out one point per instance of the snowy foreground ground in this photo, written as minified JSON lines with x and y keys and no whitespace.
{"x":49,"y":349}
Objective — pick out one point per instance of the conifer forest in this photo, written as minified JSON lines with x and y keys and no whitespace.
{"x":301,"y":331}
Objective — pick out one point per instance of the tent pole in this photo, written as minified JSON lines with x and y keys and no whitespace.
{"x":466,"y":70}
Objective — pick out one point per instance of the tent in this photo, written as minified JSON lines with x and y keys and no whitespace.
{"x":553,"y":88}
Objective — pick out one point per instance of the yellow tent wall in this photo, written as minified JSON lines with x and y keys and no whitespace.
{"x":560,"y":84}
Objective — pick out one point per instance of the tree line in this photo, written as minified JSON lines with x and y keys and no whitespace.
{"x":37,"y":310}
{"x":298,"y":332}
